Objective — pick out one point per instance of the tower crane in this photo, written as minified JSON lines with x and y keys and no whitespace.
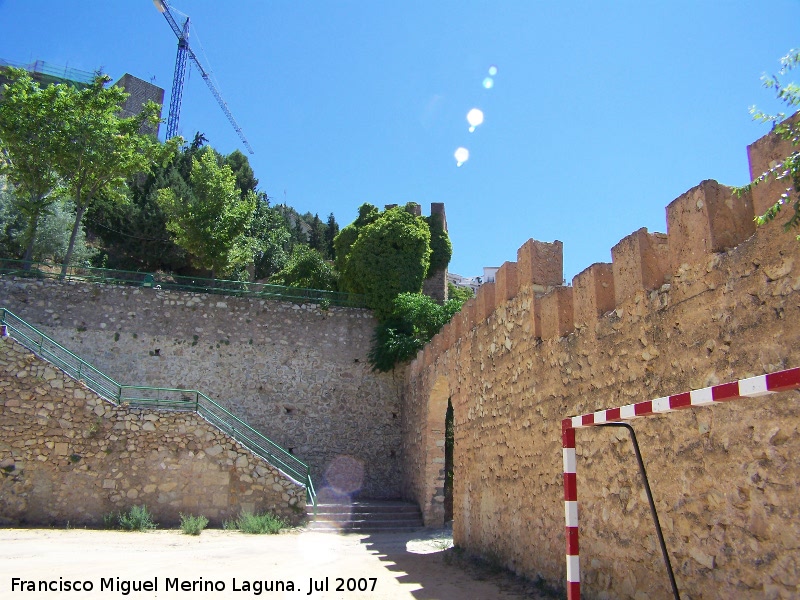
{"x":184,"y":51}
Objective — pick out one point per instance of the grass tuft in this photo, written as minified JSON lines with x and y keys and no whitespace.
{"x":248,"y":522}
{"x":191,"y":525}
{"x":138,"y":518}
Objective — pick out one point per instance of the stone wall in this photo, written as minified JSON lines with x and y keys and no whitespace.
{"x":68,"y":456}
{"x":708,"y":302}
{"x":298,"y":374}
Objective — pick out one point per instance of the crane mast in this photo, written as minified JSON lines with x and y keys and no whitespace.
{"x":184,"y":51}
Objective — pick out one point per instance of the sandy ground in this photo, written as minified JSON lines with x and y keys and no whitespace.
{"x":383,"y":566}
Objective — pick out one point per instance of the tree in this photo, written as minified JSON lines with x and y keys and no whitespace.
{"x":414,"y":319}
{"x":98,"y":150}
{"x":343,"y":242}
{"x":134,"y":233}
{"x":462,"y":294}
{"x":212,"y":221}
{"x":29,"y":120}
{"x":271,"y":232}
{"x":331,"y":231}
{"x":240,"y":166}
{"x":391,"y":255}
{"x":306,"y":269}
{"x":789,"y":168}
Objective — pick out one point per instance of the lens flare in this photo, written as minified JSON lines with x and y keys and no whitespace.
{"x":461,"y":155}
{"x":488,"y":83}
{"x":474,"y":118}
{"x":493,"y":70}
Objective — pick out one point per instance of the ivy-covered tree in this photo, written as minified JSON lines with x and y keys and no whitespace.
{"x":343,"y":242}
{"x":211,"y":223}
{"x":390,"y":256}
{"x":441,"y":248}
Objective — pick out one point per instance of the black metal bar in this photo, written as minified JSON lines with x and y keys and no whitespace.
{"x":660,"y":535}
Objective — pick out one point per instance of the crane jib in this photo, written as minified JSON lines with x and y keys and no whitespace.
{"x":184,"y":49}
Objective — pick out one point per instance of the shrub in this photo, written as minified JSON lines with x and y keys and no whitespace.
{"x":138,"y":518}
{"x":414,"y":320}
{"x":248,"y":522}
{"x":191,"y":525}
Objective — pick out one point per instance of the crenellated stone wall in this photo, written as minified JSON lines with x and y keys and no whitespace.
{"x":297,"y":373}
{"x":68,"y":456}
{"x":710,"y":301}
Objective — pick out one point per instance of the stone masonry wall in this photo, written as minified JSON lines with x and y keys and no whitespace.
{"x":709,"y":302}
{"x":68,"y":456}
{"x":296,"y":373}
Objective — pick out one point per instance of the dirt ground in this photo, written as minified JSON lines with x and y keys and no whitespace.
{"x":227,"y":564}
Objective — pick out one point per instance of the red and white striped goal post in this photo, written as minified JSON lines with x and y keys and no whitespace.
{"x":752,"y":387}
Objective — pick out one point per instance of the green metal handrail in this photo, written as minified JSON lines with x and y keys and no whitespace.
{"x":165,"y":281}
{"x":140,"y":396}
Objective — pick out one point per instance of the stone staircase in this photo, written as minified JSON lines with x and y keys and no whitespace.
{"x":366,"y":516}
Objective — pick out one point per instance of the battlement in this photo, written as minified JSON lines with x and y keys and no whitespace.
{"x":708,"y":219}
{"x":711,"y":300}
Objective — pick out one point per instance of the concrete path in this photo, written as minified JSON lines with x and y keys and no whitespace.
{"x":221,"y":564}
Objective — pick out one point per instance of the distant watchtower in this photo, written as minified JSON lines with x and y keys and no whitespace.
{"x":435,"y":285}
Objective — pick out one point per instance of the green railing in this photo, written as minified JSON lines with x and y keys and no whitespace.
{"x":160,"y":398}
{"x":165,"y":281}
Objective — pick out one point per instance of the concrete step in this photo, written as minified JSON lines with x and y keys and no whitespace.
{"x":366,"y":516}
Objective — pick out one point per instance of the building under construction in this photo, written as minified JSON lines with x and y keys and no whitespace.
{"x":44,"y":73}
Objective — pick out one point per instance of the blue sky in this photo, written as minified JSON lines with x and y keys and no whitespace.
{"x":600,"y":115}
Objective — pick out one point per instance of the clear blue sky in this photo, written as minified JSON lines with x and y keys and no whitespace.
{"x":600,"y":115}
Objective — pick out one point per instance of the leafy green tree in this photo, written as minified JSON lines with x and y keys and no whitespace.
{"x":455,"y":292}
{"x":98,"y":150}
{"x":390,"y":256}
{"x":316,"y":235}
{"x":29,"y":120}
{"x":53,"y":236}
{"x":211,"y":223}
{"x":307,"y":269}
{"x":240,"y":166}
{"x":272,"y":235}
{"x":12,"y":223}
{"x":134,"y":233}
{"x":414,"y":319}
{"x":789,"y":168}
{"x":331,"y":231}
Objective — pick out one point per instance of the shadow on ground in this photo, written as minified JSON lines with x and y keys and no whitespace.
{"x":427,"y":560}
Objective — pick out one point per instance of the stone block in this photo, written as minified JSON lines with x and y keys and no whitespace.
{"x":469,"y":310}
{"x":640,"y":262}
{"x":506,"y":286}
{"x":593,"y":294}
{"x":708,"y":218}
{"x":540,"y":264}
{"x":764,"y":154}
{"x":557,"y":318}
{"x":485,"y":302}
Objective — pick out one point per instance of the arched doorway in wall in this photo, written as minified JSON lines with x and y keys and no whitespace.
{"x":449,"y":443}
{"x":433,"y":505}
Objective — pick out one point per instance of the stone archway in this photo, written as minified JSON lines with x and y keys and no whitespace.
{"x":433,"y":505}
